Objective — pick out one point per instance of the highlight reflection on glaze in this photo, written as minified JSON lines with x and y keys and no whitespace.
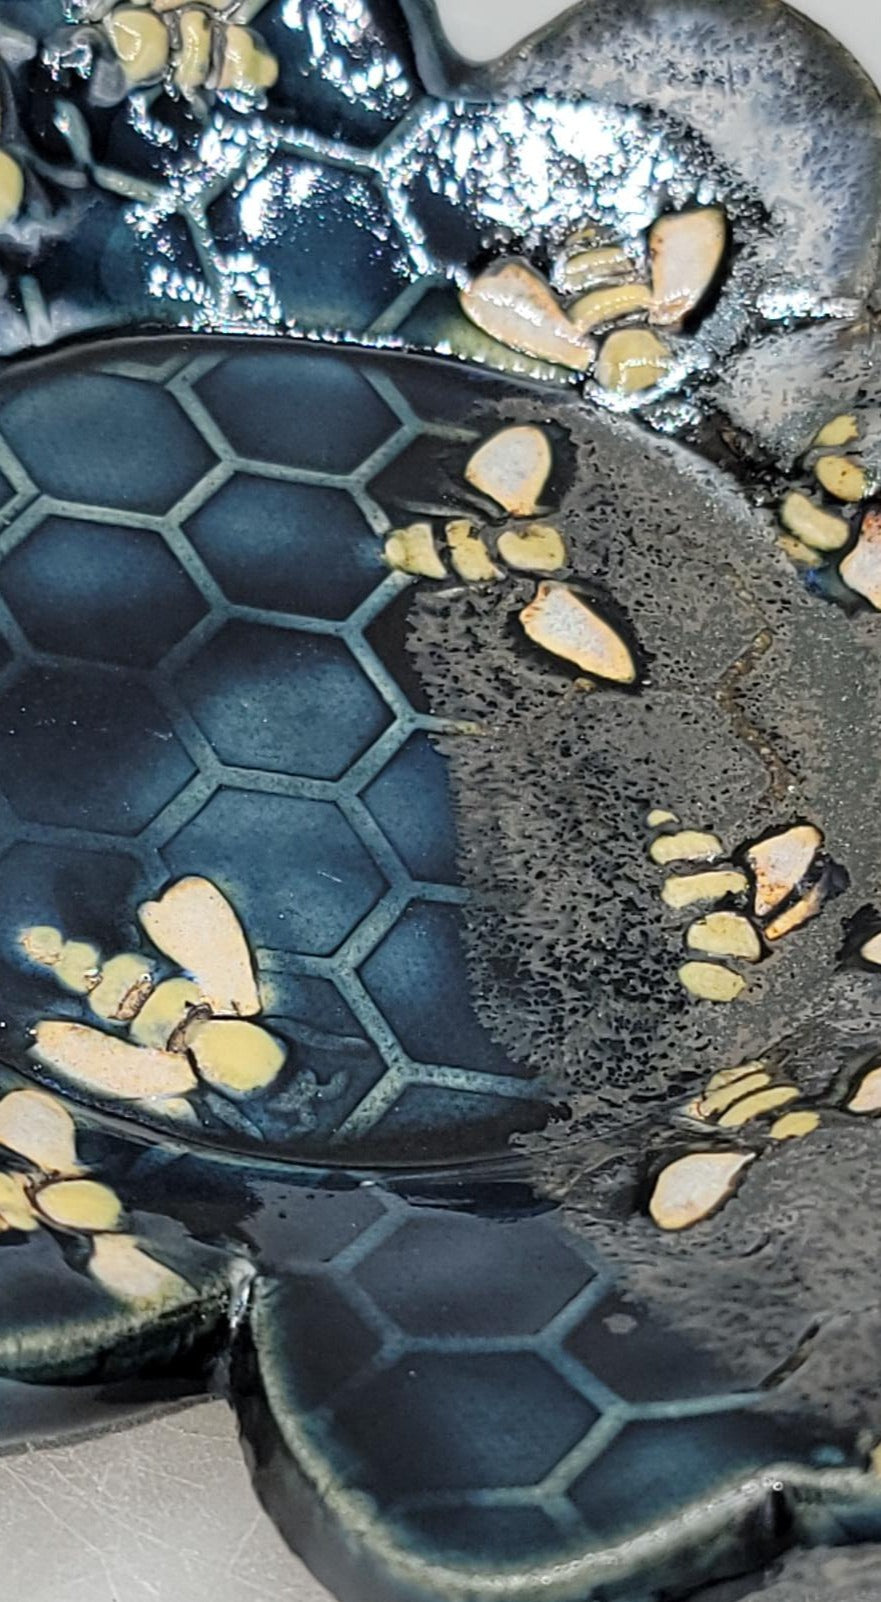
{"x":432,"y":1014}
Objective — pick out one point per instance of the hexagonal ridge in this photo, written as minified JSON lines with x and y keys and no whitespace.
{"x":178,"y":655}
{"x":548,"y":1527}
{"x":84,"y":751}
{"x":471,"y":1277}
{"x":515,"y":1388}
{"x":693,"y":1407}
{"x":289,"y":552}
{"x":586,"y":1451}
{"x":399,"y":138}
{"x":381,"y":1229}
{"x":378,"y":844}
{"x":477,"y":1080}
{"x":300,"y":440}
{"x":601,"y":1277}
{"x":51,"y":834}
{"x":581,"y":1378}
{"x":369,"y":1016}
{"x":366,"y":768}
{"x":380,"y":677}
{"x":182,"y":808}
{"x":50,"y":428}
{"x":292,"y":786}
{"x":586,"y":1300}
{"x":425,"y":840}
{"x":372,"y":1316}
{"x":84,"y":511}
{"x":296,"y":622}
{"x":172,"y":534}
{"x":373,"y":605}
{"x":558,"y":1509}
{"x":384,"y":327}
{"x":273,"y":959}
{"x":339,"y":173}
{"x":376,"y":924}
{"x":302,"y":1296}
{"x":261,"y":692}
{"x":145,"y":371}
{"x":403,"y":1075}
{"x":450,"y":895}
{"x":385,"y":454}
{"x":140,"y":598}
{"x":308,"y":880}
{"x":12,"y":634}
{"x":193,"y":499}
{"x":292,"y":140}
{"x":191,"y":737}
{"x":182,"y":387}
{"x":199,"y":365}
{"x":426,"y":115}
{"x":373,"y":514}
{"x":417,"y":977}
{"x":351,"y":480}
{"x":381,"y":596}
{"x":20,"y":503}
{"x":710,"y":1461}
{"x":375,"y":1103}
{"x":481,"y":1344}
{"x":388,"y":391}
{"x":13,"y":470}
{"x":390,"y":1353}
{"x":25,"y":520}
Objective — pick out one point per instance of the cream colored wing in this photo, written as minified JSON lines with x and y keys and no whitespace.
{"x":194,"y":925}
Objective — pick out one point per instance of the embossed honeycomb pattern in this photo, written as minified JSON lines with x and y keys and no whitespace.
{"x":491,"y":1391}
{"x":348,"y":204}
{"x":517,"y":1392}
{"x":466,"y":1377}
{"x":187,"y":679}
{"x":315,"y":213}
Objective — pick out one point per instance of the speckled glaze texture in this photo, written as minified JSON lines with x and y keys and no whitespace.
{"x":440,"y":874}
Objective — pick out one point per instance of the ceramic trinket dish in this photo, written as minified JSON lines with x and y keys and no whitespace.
{"x":440,"y":891}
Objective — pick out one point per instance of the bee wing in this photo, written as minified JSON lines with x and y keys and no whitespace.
{"x":38,"y":1127}
{"x":194,"y":925}
{"x":133,"y":1276}
{"x":109,"y":1066}
{"x":780,"y":862}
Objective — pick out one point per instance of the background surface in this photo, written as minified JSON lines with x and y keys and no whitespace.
{"x":165,"y":1512}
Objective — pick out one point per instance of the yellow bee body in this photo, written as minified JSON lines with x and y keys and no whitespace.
{"x":190,"y":48}
{"x":183,"y":1032}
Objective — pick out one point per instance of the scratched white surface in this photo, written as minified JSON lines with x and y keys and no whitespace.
{"x":165,"y":1512}
{"x":162,"y":1513}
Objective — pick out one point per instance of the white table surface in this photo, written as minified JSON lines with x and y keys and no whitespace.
{"x":165,"y":1512}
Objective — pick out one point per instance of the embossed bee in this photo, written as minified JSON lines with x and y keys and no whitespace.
{"x":188,"y":48}
{"x":54,"y":1191}
{"x":195,"y":1027}
{"x":510,"y":470}
{"x":591,"y":315}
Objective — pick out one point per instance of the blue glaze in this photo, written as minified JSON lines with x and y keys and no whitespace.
{"x":420,"y":1261}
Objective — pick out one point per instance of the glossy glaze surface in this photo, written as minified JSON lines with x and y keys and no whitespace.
{"x":438,"y":915}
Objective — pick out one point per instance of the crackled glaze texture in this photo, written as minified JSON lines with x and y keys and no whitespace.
{"x":440,"y":878}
